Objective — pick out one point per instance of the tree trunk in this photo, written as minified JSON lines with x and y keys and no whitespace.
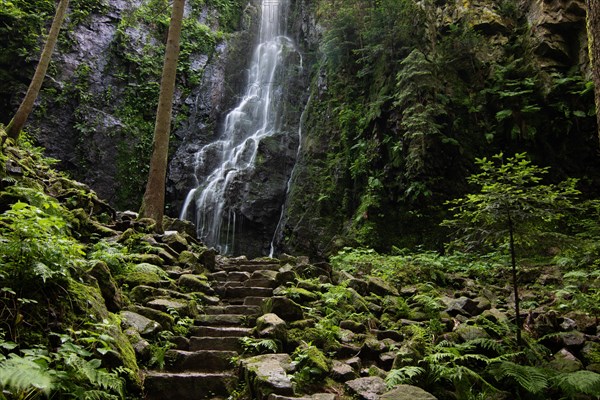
{"x":16,"y":124}
{"x":593,"y":29}
{"x":153,"y":203}
{"x":513,"y":262}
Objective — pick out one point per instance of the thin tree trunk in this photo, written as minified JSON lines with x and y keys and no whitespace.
{"x":593,"y":29}
{"x":513,"y":261}
{"x":153,"y":203}
{"x":16,"y":124}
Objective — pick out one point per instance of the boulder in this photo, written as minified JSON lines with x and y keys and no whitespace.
{"x":144,"y":274}
{"x":168,"y":305}
{"x":271,"y":326}
{"x":342,"y":372}
{"x":174,"y":240}
{"x":359,"y":285}
{"x":108,"y":287}
{"x":381,"y":287}
{"x":565,"y":361}
{"x":353,"y":326}
{"x":370,"y":388}
{"x":463,"y":306}
{"x":207,"y":257}
{"x":162,"y":318}
{"x":194,"y":283}
{"x":143,"y":325}
{"x":285,"y":308}
{"x":407,"y":392}
{"x":266,"y":374}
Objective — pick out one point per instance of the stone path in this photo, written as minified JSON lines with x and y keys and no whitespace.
{"x":200,"y":367}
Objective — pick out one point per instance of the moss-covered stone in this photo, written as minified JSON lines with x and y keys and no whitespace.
{"x":88,"y":301}
{"x":143,"y":274}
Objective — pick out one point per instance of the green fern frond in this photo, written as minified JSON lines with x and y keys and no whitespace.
{"x":260,"y":346}
{"x":98,"y":395}
{"x":580,"y":382}
{"x":403,"y":375}
{"x":532,"y":379}
{"x":108,"y":381}
{"x":19,"y":374}
{"x":489,"y":344}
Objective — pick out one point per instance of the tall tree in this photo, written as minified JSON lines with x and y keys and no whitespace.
{"x":153,"y":203}
{"x":512,"y":209}
{"x":16,"y":124}
{"x":593,"y":29}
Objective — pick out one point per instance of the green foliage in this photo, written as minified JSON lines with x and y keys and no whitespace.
{"x":422,"y":109}
{"x":259,"y":346}
{"x":511,"y":196}
{"x":401,"y":269}
{"x":113,"y":254}
{"x":69,"y":371}
{"x":35,"y":246}
{"x":531,"y":379}
{"x":580,"y":291}
{"x":311,"y":366}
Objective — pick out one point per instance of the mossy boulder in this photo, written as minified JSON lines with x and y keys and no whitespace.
{"x":268,"y":374}
{"x":144,"y":274}
{"x":272,"y":327}
{"x":88,"y":301}
{"x":164,"y":319}
{"x":285,"y":308}
{"x":194,"y":283}
{"x":108,"y":287}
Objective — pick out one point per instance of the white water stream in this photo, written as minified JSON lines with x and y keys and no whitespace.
{"x":235,"y":151}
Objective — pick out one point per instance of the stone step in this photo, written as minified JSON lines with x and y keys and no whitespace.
{"x":222,"y":331}
{"x":187,"y":385}
{"x":219,"y":276}
{"x":232,"y":309}
{"x":261,"y":282}
{"x":199,"y":360}
{"x":253,"y":300}
{"x":239,"y":292}
{"x":221,"y":286}
{"x":238,"y":276}
{"x":250,"y":267}
{"x":224,"y":320}
{"x":215,"y":343}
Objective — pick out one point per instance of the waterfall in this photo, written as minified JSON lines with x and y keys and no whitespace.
{"x":234,"y":153}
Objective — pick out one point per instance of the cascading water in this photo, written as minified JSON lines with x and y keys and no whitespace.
{"x":222,"y":163}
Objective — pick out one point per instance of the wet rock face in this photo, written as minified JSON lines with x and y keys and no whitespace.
{"x":559,"y":32}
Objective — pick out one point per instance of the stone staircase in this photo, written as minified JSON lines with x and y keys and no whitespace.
{"x":200,"y":366}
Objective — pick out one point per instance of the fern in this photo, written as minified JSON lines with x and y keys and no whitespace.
{"x":532,"y":379}
{"x":259,"y":346}
{"x":404,"y":375}
{"x":98,"y":395}
{"x":580,"y":382}
{"x":22,"y":375}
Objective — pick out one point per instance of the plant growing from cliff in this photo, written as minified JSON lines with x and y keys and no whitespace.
{"x":18,"y":121}
{"x":511,"y":210}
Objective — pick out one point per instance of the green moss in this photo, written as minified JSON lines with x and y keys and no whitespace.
{"x":88,"y":301}
{"x":125,"y":349}
{"x":143,"y":274}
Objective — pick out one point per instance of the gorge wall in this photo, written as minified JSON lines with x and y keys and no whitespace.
{"x":403,"y":96}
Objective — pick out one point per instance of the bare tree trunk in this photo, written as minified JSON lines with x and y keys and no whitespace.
{"x":16,"y":124}
{"x":593,"y":29}
{"x":153,"y":203}
{"x":513,"y":262}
